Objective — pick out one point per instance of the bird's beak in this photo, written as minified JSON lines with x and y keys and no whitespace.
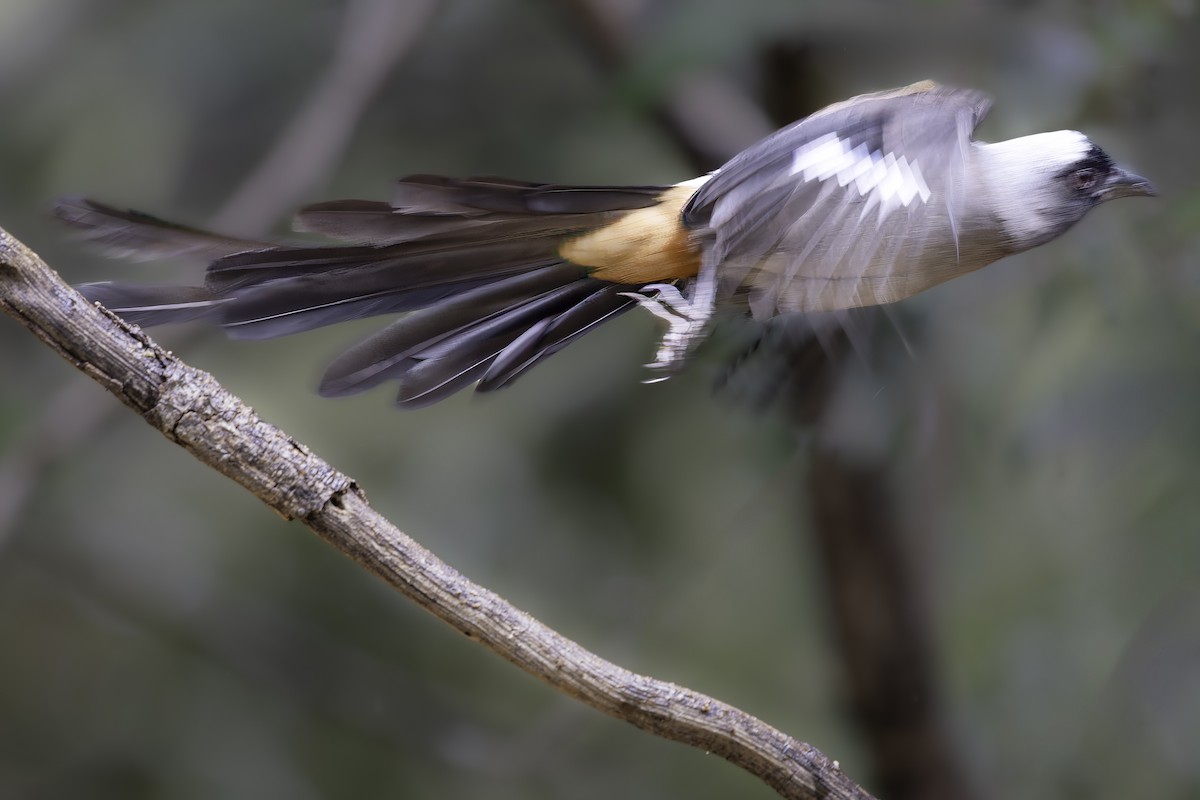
{"x":1123,"y":183}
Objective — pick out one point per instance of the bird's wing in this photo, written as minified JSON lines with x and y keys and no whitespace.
{"x":855,"y":205}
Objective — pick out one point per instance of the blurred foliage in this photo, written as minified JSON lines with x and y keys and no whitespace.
{"x":165,"y":636}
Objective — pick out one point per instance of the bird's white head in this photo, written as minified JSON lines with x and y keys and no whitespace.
{"x":1040,"y":185}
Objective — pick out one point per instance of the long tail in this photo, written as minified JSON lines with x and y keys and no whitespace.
{"x":476,"y":261}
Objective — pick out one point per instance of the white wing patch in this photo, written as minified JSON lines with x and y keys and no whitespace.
{"x":884,"y":180}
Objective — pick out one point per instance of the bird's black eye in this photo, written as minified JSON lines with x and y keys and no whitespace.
{"x":1084,"y":179}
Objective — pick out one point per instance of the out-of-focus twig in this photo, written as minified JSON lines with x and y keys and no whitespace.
{"x":375,"y":35}
{"x":882,"y":631}
{"x":192,"y":410}
{"x":709,"y":117}
{"x":879,"y":621}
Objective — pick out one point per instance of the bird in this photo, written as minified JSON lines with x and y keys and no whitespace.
{"x":863,"y":203}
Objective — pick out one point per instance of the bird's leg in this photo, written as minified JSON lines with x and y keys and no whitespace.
{"x":686,"y":318}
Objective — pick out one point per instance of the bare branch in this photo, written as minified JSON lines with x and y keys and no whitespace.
{"x":191,"y":409}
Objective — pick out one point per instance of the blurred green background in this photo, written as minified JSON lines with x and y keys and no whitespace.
{"x":1035,"y":427}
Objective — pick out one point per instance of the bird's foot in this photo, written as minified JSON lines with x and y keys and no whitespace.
{"x":686,"y":319}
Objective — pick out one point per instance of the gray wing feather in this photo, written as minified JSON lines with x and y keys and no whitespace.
{"x":846,"y":207}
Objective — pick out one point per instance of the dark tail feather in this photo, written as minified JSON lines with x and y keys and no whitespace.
{"x":552,"y":334}
{"x":463,"y":357}
{"x":473,"y":197}
{"x":475,"y":263}
{"x":132,"y":234}
{"x":376,"y":267}
{"x":303,"y":302}
{"x":434,"y":208}
{"x":279,"y":309}
{"x":154,"y":304}
{"x":396,"y":350}
{"x":514,"y":340}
